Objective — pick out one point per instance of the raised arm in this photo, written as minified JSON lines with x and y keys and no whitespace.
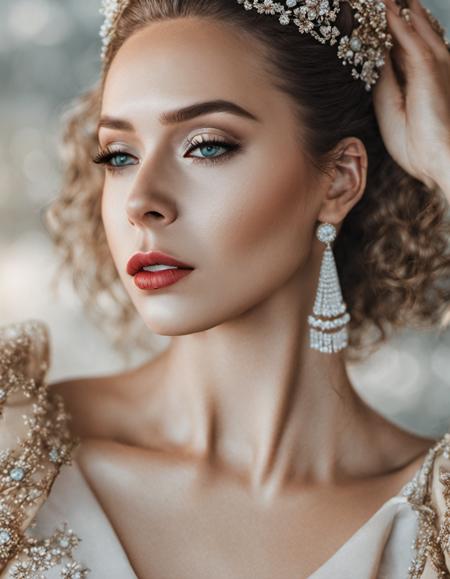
{"x":413,"y":112}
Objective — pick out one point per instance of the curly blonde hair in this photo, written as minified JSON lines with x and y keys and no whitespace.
{"x":392,"y":251}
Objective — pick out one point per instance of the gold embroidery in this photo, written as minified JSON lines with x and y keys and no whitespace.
{"x":28,"y":471}
{"x":444,"y":531}
{"x":428,"y":543}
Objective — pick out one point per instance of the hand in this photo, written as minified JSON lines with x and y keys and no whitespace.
{"x":412,"y":97}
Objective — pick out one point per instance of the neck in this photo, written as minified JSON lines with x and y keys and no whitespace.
{"x":250,"y":396}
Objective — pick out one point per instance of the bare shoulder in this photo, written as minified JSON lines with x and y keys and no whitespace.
{"x":117,"y":418}
{"x":109,"y":407}
{"x":92,"y":402}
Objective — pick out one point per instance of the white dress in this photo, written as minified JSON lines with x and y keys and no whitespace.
{"x":62,"y":530}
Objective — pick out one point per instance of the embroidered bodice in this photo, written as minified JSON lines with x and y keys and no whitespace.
{"x":429,"y":495}
{"x":47,"y":509}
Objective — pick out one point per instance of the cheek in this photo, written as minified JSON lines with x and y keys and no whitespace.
{"x":112,"y":218}
{"x":108,"y":219}
{"x":270,"y":222}
{"x":260,"y":237}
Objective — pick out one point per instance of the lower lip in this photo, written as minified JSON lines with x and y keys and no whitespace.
{"x":152,"y":280}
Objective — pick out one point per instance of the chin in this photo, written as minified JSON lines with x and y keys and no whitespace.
{"x":180,"y":321}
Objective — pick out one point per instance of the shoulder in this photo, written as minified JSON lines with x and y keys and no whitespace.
{"x":128,"y":408}
{"x":35,"y":438}
{"x":110,"y":406}
{"x":429,"y":495}
{"x":96,"y":404}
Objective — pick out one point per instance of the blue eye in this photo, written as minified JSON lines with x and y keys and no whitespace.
{"x":116,"y":161}
{"x":209,"y":146}
{"x":208,"y":149}
{"x":120,"y":157}
{"x":107,"y":156}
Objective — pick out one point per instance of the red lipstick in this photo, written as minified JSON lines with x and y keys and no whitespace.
{"x":145,"y":279}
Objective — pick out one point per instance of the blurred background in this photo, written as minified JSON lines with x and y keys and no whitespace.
{"x":49,"y":53}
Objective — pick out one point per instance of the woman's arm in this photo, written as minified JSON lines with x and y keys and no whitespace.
{"x":412,"y":96}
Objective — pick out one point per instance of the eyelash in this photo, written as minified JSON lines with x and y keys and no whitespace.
{"x":104,"y":156}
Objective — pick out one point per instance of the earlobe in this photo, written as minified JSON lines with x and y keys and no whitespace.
{"x":348,"y":183}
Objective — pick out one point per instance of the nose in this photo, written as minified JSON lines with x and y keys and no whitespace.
{"x":150,"y":210}
{"x":149,"y":202}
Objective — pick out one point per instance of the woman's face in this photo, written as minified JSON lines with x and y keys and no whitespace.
{"x":241,"y":210}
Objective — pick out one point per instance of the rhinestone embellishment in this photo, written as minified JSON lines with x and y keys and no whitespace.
{"x":4,"y":536}
{"x":326,"y":233}
{"x":16,"y":473}
{"x":328,"y":335}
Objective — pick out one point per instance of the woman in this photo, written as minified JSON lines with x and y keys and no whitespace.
{"x":242,"y":450}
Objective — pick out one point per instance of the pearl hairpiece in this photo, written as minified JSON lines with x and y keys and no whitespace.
{"x":364,"y":49}
{"x":111,"y":10}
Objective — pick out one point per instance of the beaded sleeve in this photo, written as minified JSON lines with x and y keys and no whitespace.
{"x":35,"y":442}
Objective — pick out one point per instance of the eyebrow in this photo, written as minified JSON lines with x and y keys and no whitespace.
{"x":181,"y":115}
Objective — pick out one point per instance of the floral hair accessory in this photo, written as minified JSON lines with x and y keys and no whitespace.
{"x":363,"y":50}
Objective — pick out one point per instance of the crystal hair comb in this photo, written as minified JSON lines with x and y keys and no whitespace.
{"x":363,"y":50}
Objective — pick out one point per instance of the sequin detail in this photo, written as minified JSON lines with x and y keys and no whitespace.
{"x":431,"y":540}
{"x":29,"y":469}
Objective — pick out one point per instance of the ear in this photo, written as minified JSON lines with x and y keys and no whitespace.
{"x":349,"y":176}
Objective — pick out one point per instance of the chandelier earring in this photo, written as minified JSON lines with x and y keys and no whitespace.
{"x":328,"y":323}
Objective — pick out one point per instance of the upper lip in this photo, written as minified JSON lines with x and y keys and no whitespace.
{"x":140,"y":260}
